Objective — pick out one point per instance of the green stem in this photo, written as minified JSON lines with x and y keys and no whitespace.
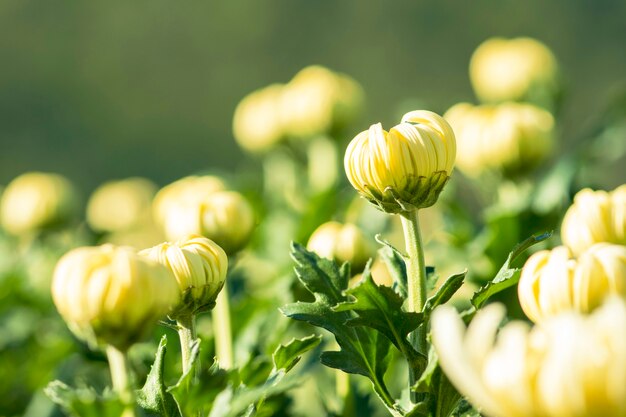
{"x":118,"y":365}
{"x":416,"y":284}
{"x":187,"y":335}
{"x":222,"y":330}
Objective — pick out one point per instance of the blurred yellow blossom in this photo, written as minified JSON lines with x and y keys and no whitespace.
{"x":509,"y":137}
{"x":595,"y":216}
{"x":111,"y":295}
{"x":36,"y":200}
{"x":503,"y":69}
{"x":569,"y":365}
{"x":199,"y":266}
{"x":405,"y":168}
{"x":343,"y":243}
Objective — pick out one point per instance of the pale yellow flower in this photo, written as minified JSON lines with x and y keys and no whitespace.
{"x":258,"y":122}
{"x":570,"y":365}
{"x":225,"y":217}
{"x":502,"y":69}
{"x":121,"y":205}
{"x":111,"y":295}
{"x":199,"y":266}
{"x":405,"y":168}
{"x":36,"y":200}
{"x":595,"y":216}
{"x":510,"y":137}
{"x":552,"y":282}
{"x":343,"y":243}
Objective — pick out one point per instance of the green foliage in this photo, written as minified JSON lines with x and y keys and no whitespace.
{"x":84,"y":402}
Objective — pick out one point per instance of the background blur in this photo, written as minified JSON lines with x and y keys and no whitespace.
{"x":108,"y":89}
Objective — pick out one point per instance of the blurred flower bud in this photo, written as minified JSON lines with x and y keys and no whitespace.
{"x":511,"y":138}
{"x":317,"y":100}
{"x":225,"y":217}
{"x":595,"y":216}
{"x":257,"y":123}
{"x":111,"y":295}
{"x":199,"y":266}
{"x":405,"y":168}
{"x":516,"y":69}
{"x":551,"y":282}
{"x":36,"y":200}
{"x":185,"y":190}
{"x":342,"y":243}
{"x":121,"y":205}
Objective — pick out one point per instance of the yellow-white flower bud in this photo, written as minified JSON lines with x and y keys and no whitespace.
{"x":511,"y":138}
{"x":225,"y":217}
{"x":405,"y":168}
{"x":121,"y":205}
{"x":111,"y":295}
{"x":36,"y":200}
{"x":502,"y":69}
{"x":186,"y":190}
{"x":343,"y":243}
{"x":595,"y":216}
{"x":551,"y":282}
{"x":199,"y":266}
{"x":317,"y":100}
{"x":570,"y":365}
{"x":257,"y":123}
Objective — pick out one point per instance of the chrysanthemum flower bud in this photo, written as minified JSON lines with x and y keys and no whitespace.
{"x":405,"y":168}
{"x":343,"y":243}
{"x":225,"y":217}
{"x":257,"y":123}
{"x":188,"y":189}
{"x":111,"y":295}
{"x":502,"y":70}
{"x":122,"y":205}
{"x":199,"y":266}
{"x":595,"y":216}
{"x":510,"y":138}
{"x":36,"y":200}
{"x":551,"y":282}
{"x":317,"y":100}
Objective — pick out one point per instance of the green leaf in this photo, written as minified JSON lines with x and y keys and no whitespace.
{"x":380,"y":308}
{"x":444,"y":293}
{"x":84,"y":402}
{"x":363,"y":351}
{"x":154,"y":398}
{"x":287,"y":356}
{"x":506,"y":276}
{"x":397,"y":269}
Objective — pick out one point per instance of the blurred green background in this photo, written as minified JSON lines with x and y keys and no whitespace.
{"x":98,"y":90}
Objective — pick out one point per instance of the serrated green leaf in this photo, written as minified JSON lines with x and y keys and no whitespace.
{"x":444,"y":293}
{"x":287,"y":356}
{"x":380,"y":308}
{"x":506,"y":276}
{"x":363,"y":350}
{"x":84,"y":402}
{"x":397,"y":269}
{"x":154,"y":398}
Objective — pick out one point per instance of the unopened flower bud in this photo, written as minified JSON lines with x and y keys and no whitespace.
{"x":37,"y":200}
{"x":343,"y":243}
{"x":111,"y":295}
{"x":595,"y":216}
{"x":403,"y":169}
{"x":122,"y":205}
{"x":502,"y":70}
{"x":225,"y":217}
{"x":199,"y":266}
{"x":551,"y":282}
{"x":257,"y":123}
{"x":510,"y":138}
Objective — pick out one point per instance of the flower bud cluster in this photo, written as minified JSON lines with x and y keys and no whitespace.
{"x":315,"y":102}
{"x":35,"y":201}
{"x":405,"y":168}
{"x":510,"y":138}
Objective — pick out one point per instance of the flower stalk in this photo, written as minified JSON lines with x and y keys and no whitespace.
{"x":118,"y":364}
{"x":222,"y":330}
